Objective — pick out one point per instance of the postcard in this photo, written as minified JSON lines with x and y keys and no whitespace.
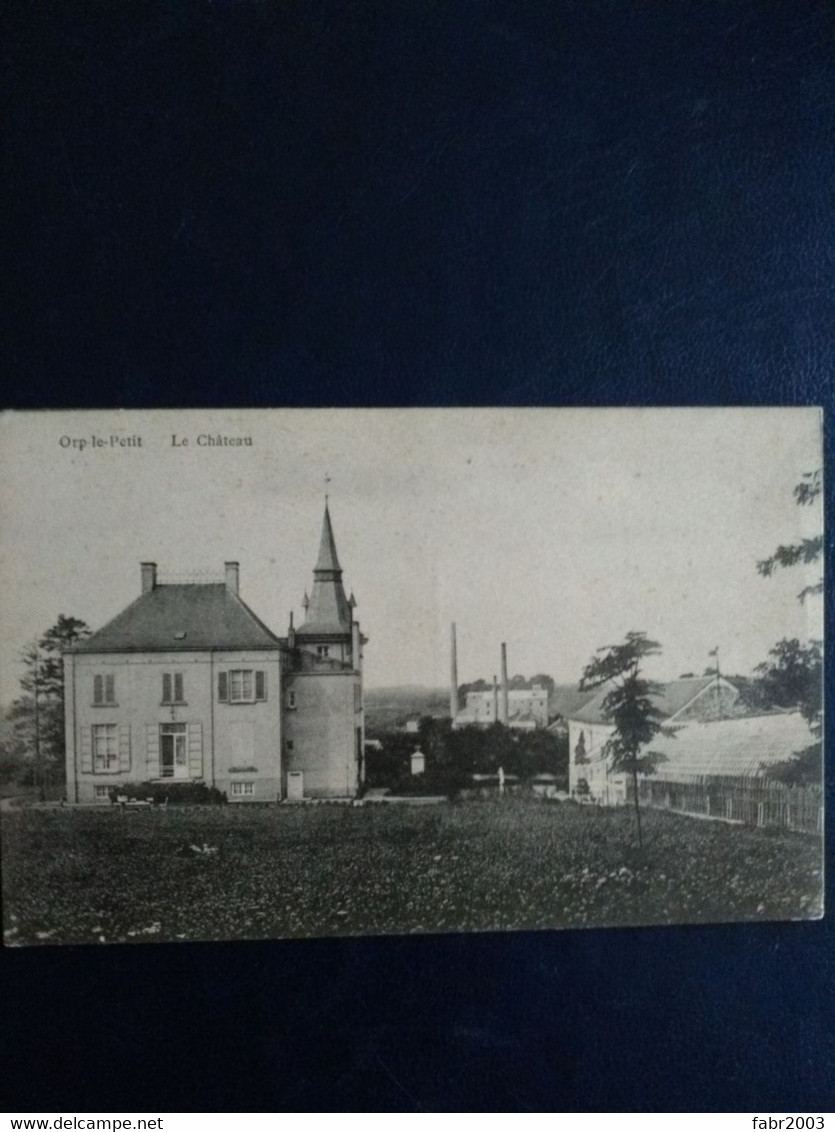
{"x":302,"y":673}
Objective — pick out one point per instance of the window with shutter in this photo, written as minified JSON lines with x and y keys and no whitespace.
{"x":105,"y":748}
{"x":195,"y":750}
{"x":104,"y":690}
{"x":172,"y":688}
{"x":86,"y":750}
{"x":124,"y":747}
{"x":242,"y":686}
{"x":152,"y":750}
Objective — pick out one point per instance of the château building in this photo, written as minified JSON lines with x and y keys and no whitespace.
{"x":187,"y":684}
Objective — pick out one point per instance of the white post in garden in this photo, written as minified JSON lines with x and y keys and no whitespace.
{"x":501,"y":781}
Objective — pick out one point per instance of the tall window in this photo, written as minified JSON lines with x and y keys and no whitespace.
{"x":105,"y":747}
{"x":104,"y":689}
{"x":172,"y":688}
{"x":241,"y":686}
{"x":173,"y":753}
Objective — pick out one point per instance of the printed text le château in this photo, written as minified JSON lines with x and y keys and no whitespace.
{"x":211,"y":440}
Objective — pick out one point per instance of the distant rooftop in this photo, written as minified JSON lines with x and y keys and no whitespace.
{"x":673,"y":696}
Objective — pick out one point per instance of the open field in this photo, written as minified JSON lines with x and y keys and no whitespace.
{"x":84,"y":876}
{"x":387,"y":708}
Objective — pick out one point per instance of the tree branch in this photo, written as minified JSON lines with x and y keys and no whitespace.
{"x":809,"y":550}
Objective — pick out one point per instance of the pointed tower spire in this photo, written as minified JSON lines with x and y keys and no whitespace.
{"x":327,"y":612}
{"x":328,"y":559}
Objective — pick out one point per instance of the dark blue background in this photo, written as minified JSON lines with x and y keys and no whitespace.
{"x":412,"y":202}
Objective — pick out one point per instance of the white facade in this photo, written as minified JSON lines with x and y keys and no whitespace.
{"x":187,"y":685}
{"x":161,"y":719}
{"x":527,"y":708}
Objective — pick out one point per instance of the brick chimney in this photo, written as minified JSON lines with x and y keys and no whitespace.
{"x":149,"y":576}
{"x":232,"y":577}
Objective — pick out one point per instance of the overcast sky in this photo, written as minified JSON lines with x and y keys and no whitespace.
{"x":556,"y":531}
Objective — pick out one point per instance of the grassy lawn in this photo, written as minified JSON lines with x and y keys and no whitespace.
{"x":83,"y":876}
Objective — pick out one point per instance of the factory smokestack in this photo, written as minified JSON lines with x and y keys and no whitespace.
{"x":505,"y":713}
{"x":453,"y":674}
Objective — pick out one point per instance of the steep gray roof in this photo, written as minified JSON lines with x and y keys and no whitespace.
{"x":328,"y":612}
{"x":328,"y":558}
{"x":566,"y":700}
{"x":182,"y":617}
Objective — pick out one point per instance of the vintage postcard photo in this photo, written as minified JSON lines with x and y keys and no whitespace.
{"x":297,"y":673}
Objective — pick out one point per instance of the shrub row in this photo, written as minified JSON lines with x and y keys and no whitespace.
{"x":452,"y":757}
{"x":175,"y":793}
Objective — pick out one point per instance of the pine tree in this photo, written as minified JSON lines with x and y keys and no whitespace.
{"x":38,"y":715}
{"x":629,"y":706}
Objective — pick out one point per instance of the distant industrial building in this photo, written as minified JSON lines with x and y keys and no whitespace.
{"x":527,"y":708}
{"x":524,"y":709}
